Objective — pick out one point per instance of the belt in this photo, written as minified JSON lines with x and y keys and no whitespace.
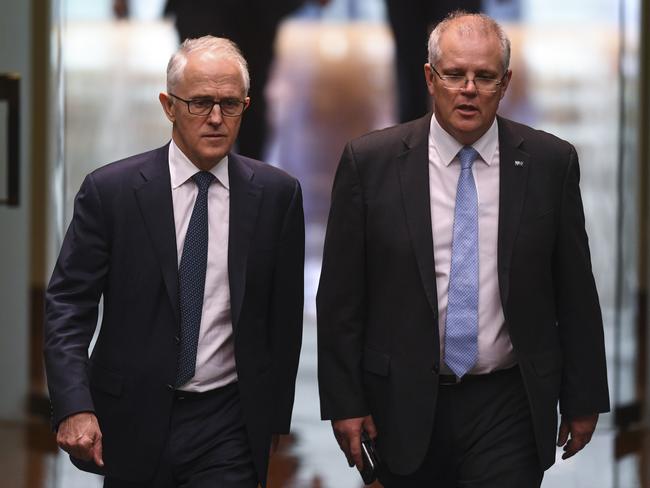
{"x":200,"y":395}
{"x":452,"y":379}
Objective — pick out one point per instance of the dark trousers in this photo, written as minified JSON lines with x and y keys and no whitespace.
{"x":207,"y":445}
{"x":482,"y":438}
{"x":411,"y":22}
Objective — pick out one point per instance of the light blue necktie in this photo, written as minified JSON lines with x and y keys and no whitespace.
{"x":191,"y":279}
{"x":461,"y":330}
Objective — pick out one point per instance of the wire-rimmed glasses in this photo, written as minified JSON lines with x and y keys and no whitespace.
{"x":459,"y":82}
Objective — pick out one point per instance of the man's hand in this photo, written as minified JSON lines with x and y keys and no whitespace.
{"x":348,"y":435}
{"x":581,"y":430}
{"x":79,"y":436}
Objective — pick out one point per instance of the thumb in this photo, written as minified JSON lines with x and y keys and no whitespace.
{"x":369,"y":427}
{"x":563,"y":435}
{"x":98,"y":452}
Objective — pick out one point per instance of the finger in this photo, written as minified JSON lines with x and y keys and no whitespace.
{"x":76,"y":447}
{"x":575,"y":445}
{"x":81,"y":453}
{"x":344,"y":445}
{"x":570,"y":449}
{"x":369,"y":427}
{"x":97,"y":452}
{"x":84,"y":447}
{"x":355,"y":450}
{"x":563,"y":434}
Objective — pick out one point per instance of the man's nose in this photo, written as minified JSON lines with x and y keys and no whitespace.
{"x":215,"y":116}
{"x":470,"y":86}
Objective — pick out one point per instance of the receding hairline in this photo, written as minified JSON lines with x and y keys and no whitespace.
{"x":479,"y":23}
{"x":219,"y":47}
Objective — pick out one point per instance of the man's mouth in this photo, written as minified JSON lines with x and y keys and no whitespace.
{"x":467,"y":109}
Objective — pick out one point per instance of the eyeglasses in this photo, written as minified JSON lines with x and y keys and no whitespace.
{"x":459,"y":82}
{"x":230,"y":107}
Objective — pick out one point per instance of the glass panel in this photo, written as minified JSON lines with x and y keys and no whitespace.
{"x":333,"y":81}
{"x":626,"y":386}
{"x":4,"y":149}
{"x":630,"y":351}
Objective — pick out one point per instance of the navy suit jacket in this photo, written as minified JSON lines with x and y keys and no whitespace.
{"x":378,"y":340}
{"x":121,"y":245}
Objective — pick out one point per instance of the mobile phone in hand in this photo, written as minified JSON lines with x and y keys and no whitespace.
{"x":370,"y":459}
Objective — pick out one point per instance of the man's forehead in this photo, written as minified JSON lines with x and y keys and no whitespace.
{"x":468,"y":26}
{"x":206,"y":58}
{"x":478,"y":45}
{"x":211,"y":68}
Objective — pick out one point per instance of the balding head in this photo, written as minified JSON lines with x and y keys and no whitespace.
{"x":468,"y":24}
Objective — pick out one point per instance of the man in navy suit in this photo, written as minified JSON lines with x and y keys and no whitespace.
{"x":457,"y":304}
{"x":138,"y":410}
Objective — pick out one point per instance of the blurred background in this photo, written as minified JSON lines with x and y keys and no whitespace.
{"x":79,"y":82}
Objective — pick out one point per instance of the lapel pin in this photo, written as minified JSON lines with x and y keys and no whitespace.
{"x":519,"y":163}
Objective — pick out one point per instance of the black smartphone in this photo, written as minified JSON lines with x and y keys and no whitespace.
{"x":370,"y":459}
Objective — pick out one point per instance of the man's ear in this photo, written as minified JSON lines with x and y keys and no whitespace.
{"x":429,"y":76}
{"x":506,"y":82}
{"x":168,"y":106}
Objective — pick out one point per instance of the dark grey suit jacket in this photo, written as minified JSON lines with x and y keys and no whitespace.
{"x":121,"y":245}
{"x":378,"y":340}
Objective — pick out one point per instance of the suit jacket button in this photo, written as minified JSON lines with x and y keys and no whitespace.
{"x":177,"y":339}
{"x":436,"y":368}
{"x":170,"y":387}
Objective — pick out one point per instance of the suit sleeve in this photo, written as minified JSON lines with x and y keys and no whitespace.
{"x":287,"y":303}
{"x":71,"y":305}
{"x":584,"y":384}
{"x":341,"y":299}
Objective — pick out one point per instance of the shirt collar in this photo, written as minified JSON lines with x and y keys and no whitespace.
{"x":448,"y":147}
{"x":182,"y":169}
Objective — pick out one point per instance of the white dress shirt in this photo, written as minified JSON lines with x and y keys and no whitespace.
{"x":215,"y":356}
{"x":494,"y":346}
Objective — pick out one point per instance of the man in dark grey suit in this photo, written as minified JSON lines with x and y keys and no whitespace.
{"x":457,"y":304}
{"x":198,"y":254}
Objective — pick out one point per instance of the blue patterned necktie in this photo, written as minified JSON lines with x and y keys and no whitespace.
{"x":191,"y":279}
{"x":461,"y":330}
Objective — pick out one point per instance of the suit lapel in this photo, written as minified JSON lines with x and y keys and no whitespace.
{"x":513,"y":174}
{"x":245,"y":198}
{"x":154,"y":197}
{"x":414,"y":181}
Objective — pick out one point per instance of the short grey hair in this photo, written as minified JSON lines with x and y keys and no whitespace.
{"x":219,"y":46}
{"x":487,"y":25}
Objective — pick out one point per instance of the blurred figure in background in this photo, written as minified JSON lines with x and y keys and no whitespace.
{"x":411,"y":22}
{"x":252,"y":25}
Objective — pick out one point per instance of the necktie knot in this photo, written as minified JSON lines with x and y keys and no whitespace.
{"x":203,"y":180}
{"x":467,"y":156}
